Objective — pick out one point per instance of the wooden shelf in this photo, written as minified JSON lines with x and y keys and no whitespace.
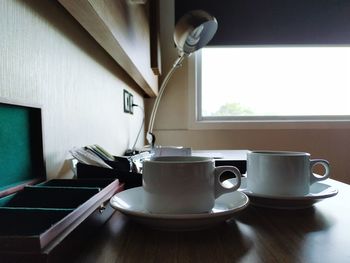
{"x":123,"y":30}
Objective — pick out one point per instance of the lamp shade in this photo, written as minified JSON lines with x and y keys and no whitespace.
{"x":193,"y":31}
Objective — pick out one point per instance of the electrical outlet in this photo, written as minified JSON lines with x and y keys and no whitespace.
{"x":128,"y":99}
{"x":131,"y":102}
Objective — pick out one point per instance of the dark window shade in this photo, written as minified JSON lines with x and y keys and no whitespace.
{"x":275,"y":22}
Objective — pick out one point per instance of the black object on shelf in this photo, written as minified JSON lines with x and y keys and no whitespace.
{"x":122,"y":170}
{"x":130,"y":179}
{"x":120,"y":163}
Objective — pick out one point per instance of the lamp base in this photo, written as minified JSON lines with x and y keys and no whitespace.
{"x":171,"y":151}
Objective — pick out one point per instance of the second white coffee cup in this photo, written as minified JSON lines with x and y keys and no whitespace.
{"x":184,"y":185}
{"x":282,"y":173}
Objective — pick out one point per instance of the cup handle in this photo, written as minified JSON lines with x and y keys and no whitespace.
{"x":220,"y":189}
{"x":314,"y":178}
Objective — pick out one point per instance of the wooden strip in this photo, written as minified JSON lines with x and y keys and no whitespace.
{"x":122,"y":29}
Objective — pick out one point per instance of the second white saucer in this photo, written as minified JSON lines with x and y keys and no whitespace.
{"x":318,"y":192}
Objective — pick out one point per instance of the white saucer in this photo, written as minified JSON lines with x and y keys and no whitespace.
{"x":130,"y":203}
{"x":318,"y":192}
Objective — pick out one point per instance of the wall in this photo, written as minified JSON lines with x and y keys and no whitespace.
{"x":48,"y":59}
{"x":172,"y":121}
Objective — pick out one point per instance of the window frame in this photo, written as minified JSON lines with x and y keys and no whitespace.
{"x":198,"y":121}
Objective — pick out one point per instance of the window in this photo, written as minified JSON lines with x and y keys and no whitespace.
{"x":274,"y":83}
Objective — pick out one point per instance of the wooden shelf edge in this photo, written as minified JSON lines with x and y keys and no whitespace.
{"x":85,"y":13}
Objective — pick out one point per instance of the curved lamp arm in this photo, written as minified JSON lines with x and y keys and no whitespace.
{"x":150,"y":136}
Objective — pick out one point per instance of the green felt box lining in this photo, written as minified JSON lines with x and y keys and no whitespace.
{"x":21,"y":148}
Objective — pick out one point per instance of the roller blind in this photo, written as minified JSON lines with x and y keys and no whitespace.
{"x":275,"y":22}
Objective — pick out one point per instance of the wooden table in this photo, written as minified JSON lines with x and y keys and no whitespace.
{"x":317,"y":234}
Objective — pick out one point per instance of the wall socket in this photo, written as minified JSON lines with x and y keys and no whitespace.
{"x":128,"y":100}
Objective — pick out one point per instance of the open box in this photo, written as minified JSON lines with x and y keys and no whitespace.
{"x":37,"y":216}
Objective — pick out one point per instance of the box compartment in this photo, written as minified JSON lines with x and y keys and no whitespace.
{"x":27,"y":234}
{"x":50,"y":197}
{"x":37,"y":215}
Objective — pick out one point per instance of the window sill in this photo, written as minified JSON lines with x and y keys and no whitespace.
{"x":266,"y":125}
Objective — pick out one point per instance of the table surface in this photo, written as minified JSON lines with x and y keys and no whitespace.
{"x":317,"y":234}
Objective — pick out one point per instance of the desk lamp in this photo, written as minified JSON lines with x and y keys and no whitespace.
{"x":193,"y":31}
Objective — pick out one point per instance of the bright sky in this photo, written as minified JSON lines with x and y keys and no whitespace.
{"x":278,"y":80}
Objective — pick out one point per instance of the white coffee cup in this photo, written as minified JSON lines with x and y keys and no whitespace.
{"x":280,"y":173}
{"x":184,"y":184}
